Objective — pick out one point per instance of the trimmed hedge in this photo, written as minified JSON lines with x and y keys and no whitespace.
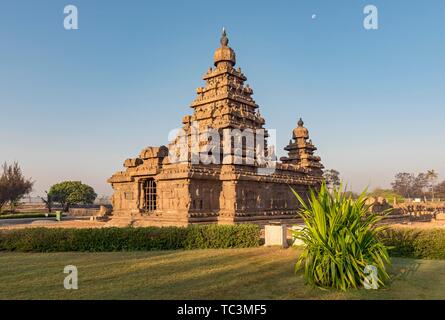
{"x":130,"y":239}
{"x":26,"y":215}
{"x":415,"y":243}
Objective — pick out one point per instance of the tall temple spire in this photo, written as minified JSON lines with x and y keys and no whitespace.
{"x":225,"y":101}
{"x":300,"y":131}
{"x":224,"y":53}
{"x":300,"y":122}
{"x":224,"y":40}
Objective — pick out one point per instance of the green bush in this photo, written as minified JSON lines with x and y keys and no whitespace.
{"x":129,"y":239}
{"x":415,"y":243}
{"x":222,"y":236}
{"x":340,"y":239}
{"x":26,"y":215}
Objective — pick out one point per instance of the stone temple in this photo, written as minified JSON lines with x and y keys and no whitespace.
{"x":172,"y":186}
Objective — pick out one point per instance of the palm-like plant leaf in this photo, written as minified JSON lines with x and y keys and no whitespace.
{"x":340,"y":237}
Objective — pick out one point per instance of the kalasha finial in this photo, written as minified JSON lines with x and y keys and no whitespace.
{"x":300,"y":122}
{"x":224,"y":40}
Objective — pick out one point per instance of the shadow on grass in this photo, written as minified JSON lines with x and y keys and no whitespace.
{"x":257,"y":273}
{"x":401,"y":242}
{"x":403,"y":271}
{"x":206,"y":274}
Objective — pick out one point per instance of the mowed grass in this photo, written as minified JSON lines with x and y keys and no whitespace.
{"x":257,"y":273}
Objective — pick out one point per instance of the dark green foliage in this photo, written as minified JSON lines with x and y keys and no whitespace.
{"x":25,"y":215}
{"x":222,"y":236}
{"x":130,"y":239}
{"x":415,"y":243}
{"x":68,"y":193}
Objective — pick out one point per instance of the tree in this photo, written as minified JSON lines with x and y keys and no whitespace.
{"x":68,"y":193}
{"x":431,"y":176}
{"x":440,"y":190}
{"x":403,"y":183}
{"x":48,"y":201}
{"x":409,"y":185}
{"x":420,"y":185}
{"x":332,"y":178}
{"x":13,"y":185}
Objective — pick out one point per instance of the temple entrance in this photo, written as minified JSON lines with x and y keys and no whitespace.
{"x":149,"y":195}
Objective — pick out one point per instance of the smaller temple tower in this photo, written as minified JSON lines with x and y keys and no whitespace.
{"x":301,"y":150}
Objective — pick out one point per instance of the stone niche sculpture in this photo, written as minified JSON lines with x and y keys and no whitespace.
{"x":152,"y":190}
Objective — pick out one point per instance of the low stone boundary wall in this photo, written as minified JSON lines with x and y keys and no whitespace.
{"x":83,"y":212}
{"x":95,"y":211}
{"x":33,"y":208}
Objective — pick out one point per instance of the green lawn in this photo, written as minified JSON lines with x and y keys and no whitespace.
{"x":257,"y":273}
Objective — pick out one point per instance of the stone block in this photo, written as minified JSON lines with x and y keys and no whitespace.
{"x":440,"y":216}
{"x":276,"y":235}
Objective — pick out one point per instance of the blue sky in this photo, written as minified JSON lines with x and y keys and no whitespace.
{"x":75,"y":104}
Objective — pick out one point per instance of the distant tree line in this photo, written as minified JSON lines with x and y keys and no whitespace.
{"x":422,"y":185}
{"x":405,"y":186}
{"x":14,"y":186}
{"x":333,"y":181}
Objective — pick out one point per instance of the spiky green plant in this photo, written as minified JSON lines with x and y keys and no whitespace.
{"x":340,"y":238}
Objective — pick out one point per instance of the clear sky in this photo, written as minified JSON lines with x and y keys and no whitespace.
{"x":75,"y":104}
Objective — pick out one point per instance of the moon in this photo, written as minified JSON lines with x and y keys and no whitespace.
{"x":314,"y":16}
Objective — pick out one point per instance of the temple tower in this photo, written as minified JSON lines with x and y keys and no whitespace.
{"x":301,"y":150}
{"x":225,"y":103}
